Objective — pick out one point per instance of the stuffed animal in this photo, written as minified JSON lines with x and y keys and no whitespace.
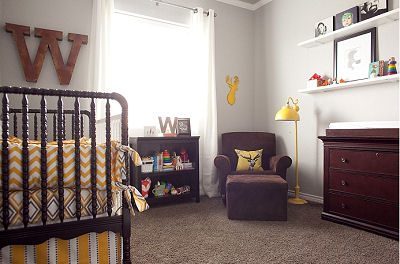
{"x":178,"y":164}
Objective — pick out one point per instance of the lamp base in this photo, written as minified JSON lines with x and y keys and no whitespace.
{"x":297,"y":201}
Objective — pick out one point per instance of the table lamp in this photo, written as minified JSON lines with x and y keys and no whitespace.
{"x":290,"y":113}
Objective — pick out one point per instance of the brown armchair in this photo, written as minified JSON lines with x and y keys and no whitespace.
{"x":227,"y":161}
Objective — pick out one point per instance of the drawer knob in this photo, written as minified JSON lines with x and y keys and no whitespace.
{"x":344,"y":183}
{"x":377,"y":154}
{"x":343,"y":160}
{"x":343,"y":206}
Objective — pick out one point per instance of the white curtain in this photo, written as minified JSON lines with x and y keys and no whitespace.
{"x":100,"y":49}
{"x":203,"y":27}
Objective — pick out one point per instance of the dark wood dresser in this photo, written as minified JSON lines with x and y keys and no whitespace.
{"x":361,"y":179}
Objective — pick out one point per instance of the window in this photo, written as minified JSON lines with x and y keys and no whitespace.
{"x":153,"y":68}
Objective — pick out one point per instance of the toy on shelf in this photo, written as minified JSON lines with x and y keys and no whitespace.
{"x":178,"y":163}
{"x":392,"y":66}
{"x":167,"y":161}
{"x":146,"y":183}
{"x":342,"y":81}
{"x":147,"y":164}
{"x":315,"y":81}
{"x":184,"y":155}
{"x":158,"y":190}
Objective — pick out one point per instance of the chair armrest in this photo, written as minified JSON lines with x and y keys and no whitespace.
{"x":223,"y":165}
{"x":279,"y":164}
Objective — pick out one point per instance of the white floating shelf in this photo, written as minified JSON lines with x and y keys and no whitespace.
{"x":384,"y":18}
{"x":366,"y":82}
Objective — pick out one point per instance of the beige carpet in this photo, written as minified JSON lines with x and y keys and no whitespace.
{"x":201,"y":233}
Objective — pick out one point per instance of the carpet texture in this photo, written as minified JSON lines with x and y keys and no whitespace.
{"x":201,"y":233}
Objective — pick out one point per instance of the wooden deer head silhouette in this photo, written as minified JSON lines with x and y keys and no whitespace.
{"x":231,"y":97}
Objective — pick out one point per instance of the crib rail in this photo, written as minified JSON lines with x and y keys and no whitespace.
{"x":36,"y":234}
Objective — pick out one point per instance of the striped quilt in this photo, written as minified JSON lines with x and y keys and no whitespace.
{"x":118,"y":171}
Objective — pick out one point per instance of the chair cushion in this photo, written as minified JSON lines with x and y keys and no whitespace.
{"x":249,"y":160}
{"x":264,"y":172}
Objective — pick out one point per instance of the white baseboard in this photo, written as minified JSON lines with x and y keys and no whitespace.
{"x":308,"y":197}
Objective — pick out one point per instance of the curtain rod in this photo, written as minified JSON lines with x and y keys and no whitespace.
{"x":180,"y":6}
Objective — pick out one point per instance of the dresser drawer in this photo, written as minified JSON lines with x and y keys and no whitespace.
{"x":367,"y":161}
{"x":367,"y":211}
{"x":364,"y":184}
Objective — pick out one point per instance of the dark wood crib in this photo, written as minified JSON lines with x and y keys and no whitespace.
{"x":62,"y":114}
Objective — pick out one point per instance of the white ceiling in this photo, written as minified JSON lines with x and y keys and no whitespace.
{"x":247,"y":4}
{"x":250,"y":1}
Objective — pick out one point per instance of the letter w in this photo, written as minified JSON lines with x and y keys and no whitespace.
{"x":49,"y":40}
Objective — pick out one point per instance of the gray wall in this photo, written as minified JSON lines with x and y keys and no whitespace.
{"x":234,"y":46}
{"x":282,"y":68}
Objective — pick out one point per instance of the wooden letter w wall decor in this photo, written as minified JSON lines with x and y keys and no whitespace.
{"x":49,"y":40}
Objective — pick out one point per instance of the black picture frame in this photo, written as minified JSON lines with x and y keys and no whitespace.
{"x":337,"y":65}
{"x":183,"y":127}
{"x":372,"y":8}
{"x":343,"y":19}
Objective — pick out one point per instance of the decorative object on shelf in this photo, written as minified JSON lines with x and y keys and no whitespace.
{"x":373,"y":69}
{"x":314,"y":81}
{"x":288,"y":113}
{"x":346,"y":18}
{"x":183,"y":127}
{"x":324,"y":26}
{"x":231,"y":97}
{"x":184,"y":155}
{"x":381,"y":71}
{"x":372,"y":8}
{"x":164,"y":126}
{"x":342,"y":81}
{"x":49,"y":40}
{"x":158,"y":190}
{"x":147,"y":164}
{"x":392,"y":66}
{"x":353,"y":54}
{"x":149,"y":131}
{"x":167,"y":161}
{"x":178,"y":163}
{"x":146,"y":183}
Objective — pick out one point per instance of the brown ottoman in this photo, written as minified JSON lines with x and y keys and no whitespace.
{"x":256,"y":197}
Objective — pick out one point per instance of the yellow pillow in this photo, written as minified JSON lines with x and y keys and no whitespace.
{"x":249,"y":160}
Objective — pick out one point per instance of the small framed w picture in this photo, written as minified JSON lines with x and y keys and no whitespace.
{"x":183,"y":127}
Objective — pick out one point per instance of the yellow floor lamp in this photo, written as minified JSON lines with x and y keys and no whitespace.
{"x":288,"y":113}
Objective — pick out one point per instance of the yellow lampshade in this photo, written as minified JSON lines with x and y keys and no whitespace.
{"x":288,"y":113}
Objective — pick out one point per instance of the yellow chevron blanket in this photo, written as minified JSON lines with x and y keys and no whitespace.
{"x":117,"y":163}
{"x":118,"y":172}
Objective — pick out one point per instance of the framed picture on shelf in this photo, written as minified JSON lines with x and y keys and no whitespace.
{"x":372,"y":8}
{"x":353,"y":54}
{"x":373,"y":71}
{"x":324,"y":26}
{"x":346,"y":18}
{"x":183,"y":127}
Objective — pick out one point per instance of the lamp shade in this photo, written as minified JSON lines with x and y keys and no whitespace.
{"x":287,"y":113}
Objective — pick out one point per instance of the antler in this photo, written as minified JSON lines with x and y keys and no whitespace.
{"x":228,"y":80}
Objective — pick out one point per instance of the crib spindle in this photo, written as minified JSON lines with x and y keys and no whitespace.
{"x":54,"y":127}
{"x":15,"y":125}
{"x":4,"y":160}
{"x":75,"y":125}
{"x":35,"y":126}
{"x":60,"y":159}
{"x":108,"y":158}
{"x":25,"y":160}
{"x":43,"y":157}
{"x":82,"y":116}
{"x":63,"y":123}
{"x":93,"y":173}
